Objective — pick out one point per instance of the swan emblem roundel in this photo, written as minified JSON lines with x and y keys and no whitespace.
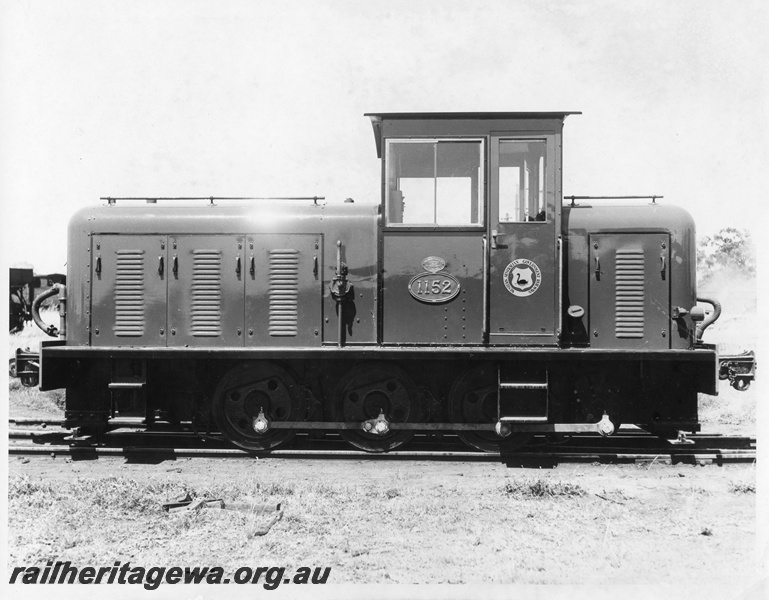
{"x":522,"y":277}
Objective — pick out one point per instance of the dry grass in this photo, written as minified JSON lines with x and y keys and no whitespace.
{"x":537,"y":530}
{"x":542,"y":488}
{"x":729,"y":408}
{"x":742,"y":487}
{"x":31,"y":403}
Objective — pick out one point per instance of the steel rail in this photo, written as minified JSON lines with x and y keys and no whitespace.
{"x":121,"y":423}
{"x":616,"y":441}
{"x":625,"y":435}
{"x":129,"y":428}
{"x":541,"y":428}
{"x":625,"y":446}
{"x":571,"y":453}
{"x":714,"y":456}
{"x":620,"y":442}
{"x":622,"y":436}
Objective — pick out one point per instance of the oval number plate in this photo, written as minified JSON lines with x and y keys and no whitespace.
{"x":434,"y":287}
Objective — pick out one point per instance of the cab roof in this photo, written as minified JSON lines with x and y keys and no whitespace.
{"x":472,"y":115}
{"x":378,"y":118}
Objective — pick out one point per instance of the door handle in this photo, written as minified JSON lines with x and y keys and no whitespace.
{"x":494,"y":239}
{"x":161,"y":266}
{"x":597,"y":268}
{"x":253,"y":266}
{"x":662,"y":265}
{"x":175,"y":267}
{"x":315,"y":265}
{"x":237,"y":265}
{"x":98,"y":265}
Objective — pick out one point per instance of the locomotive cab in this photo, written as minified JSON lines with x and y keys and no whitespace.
{"x":470,"y":236}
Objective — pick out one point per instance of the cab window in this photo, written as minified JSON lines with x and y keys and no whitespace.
{"x":522,"y":193}
{"x":434,"y":182}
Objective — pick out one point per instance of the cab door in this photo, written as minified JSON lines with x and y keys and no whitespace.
{"x":524,"y":266}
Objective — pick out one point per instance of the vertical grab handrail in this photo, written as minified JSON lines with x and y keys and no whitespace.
{"x":485,"y":325}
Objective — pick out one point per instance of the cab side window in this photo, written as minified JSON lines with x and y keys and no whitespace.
{"x":434,"y":182}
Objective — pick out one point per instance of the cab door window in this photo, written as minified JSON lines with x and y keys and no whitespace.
{"x":522,"y":181}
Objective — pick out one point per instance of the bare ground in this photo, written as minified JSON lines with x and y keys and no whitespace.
{"x":397,"y":521}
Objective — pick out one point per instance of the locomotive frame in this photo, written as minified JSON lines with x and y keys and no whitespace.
{"x":470,"y":300}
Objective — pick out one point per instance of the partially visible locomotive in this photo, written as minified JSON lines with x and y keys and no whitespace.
{"x":470,"y":300}
{"x":22,"y":282}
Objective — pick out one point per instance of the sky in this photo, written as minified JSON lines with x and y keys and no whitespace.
{"x":237,"y":98}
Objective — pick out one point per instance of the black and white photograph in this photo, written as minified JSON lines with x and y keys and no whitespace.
{"x":343,"y":299}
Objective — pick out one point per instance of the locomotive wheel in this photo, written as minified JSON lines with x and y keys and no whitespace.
{"x":473,"y":399}
{"x":246,"y":390}
{"x":368,"y":389}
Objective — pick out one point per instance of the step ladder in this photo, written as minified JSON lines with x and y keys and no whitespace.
{"x":128,"y":392}
{"x":522,"y":401}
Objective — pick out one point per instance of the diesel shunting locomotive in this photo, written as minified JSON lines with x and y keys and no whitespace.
{"x":474,"y":299}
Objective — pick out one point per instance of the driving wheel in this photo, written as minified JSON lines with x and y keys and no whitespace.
{"x":249,"y":389}
{"x":367,"y":391}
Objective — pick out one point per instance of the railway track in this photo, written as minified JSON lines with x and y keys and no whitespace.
{"x":628,"y":446}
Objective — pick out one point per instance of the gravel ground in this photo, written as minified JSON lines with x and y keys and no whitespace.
{"x":399,"y":522}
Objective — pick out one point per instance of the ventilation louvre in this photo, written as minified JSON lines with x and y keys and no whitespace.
{"x":284,"y":293}
{"x":629,"y":294}
{"x":129,"y":293}
{"x":206,"y":293}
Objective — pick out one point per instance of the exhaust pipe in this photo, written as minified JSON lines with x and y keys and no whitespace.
{"x":697,"y":314}
{"x":51,"y":330}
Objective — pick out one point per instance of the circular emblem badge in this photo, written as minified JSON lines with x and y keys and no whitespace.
{"x":522,"y":277}
{"x":433,"y":264}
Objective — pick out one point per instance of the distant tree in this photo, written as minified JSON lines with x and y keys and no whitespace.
{"x":730,"y":249}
